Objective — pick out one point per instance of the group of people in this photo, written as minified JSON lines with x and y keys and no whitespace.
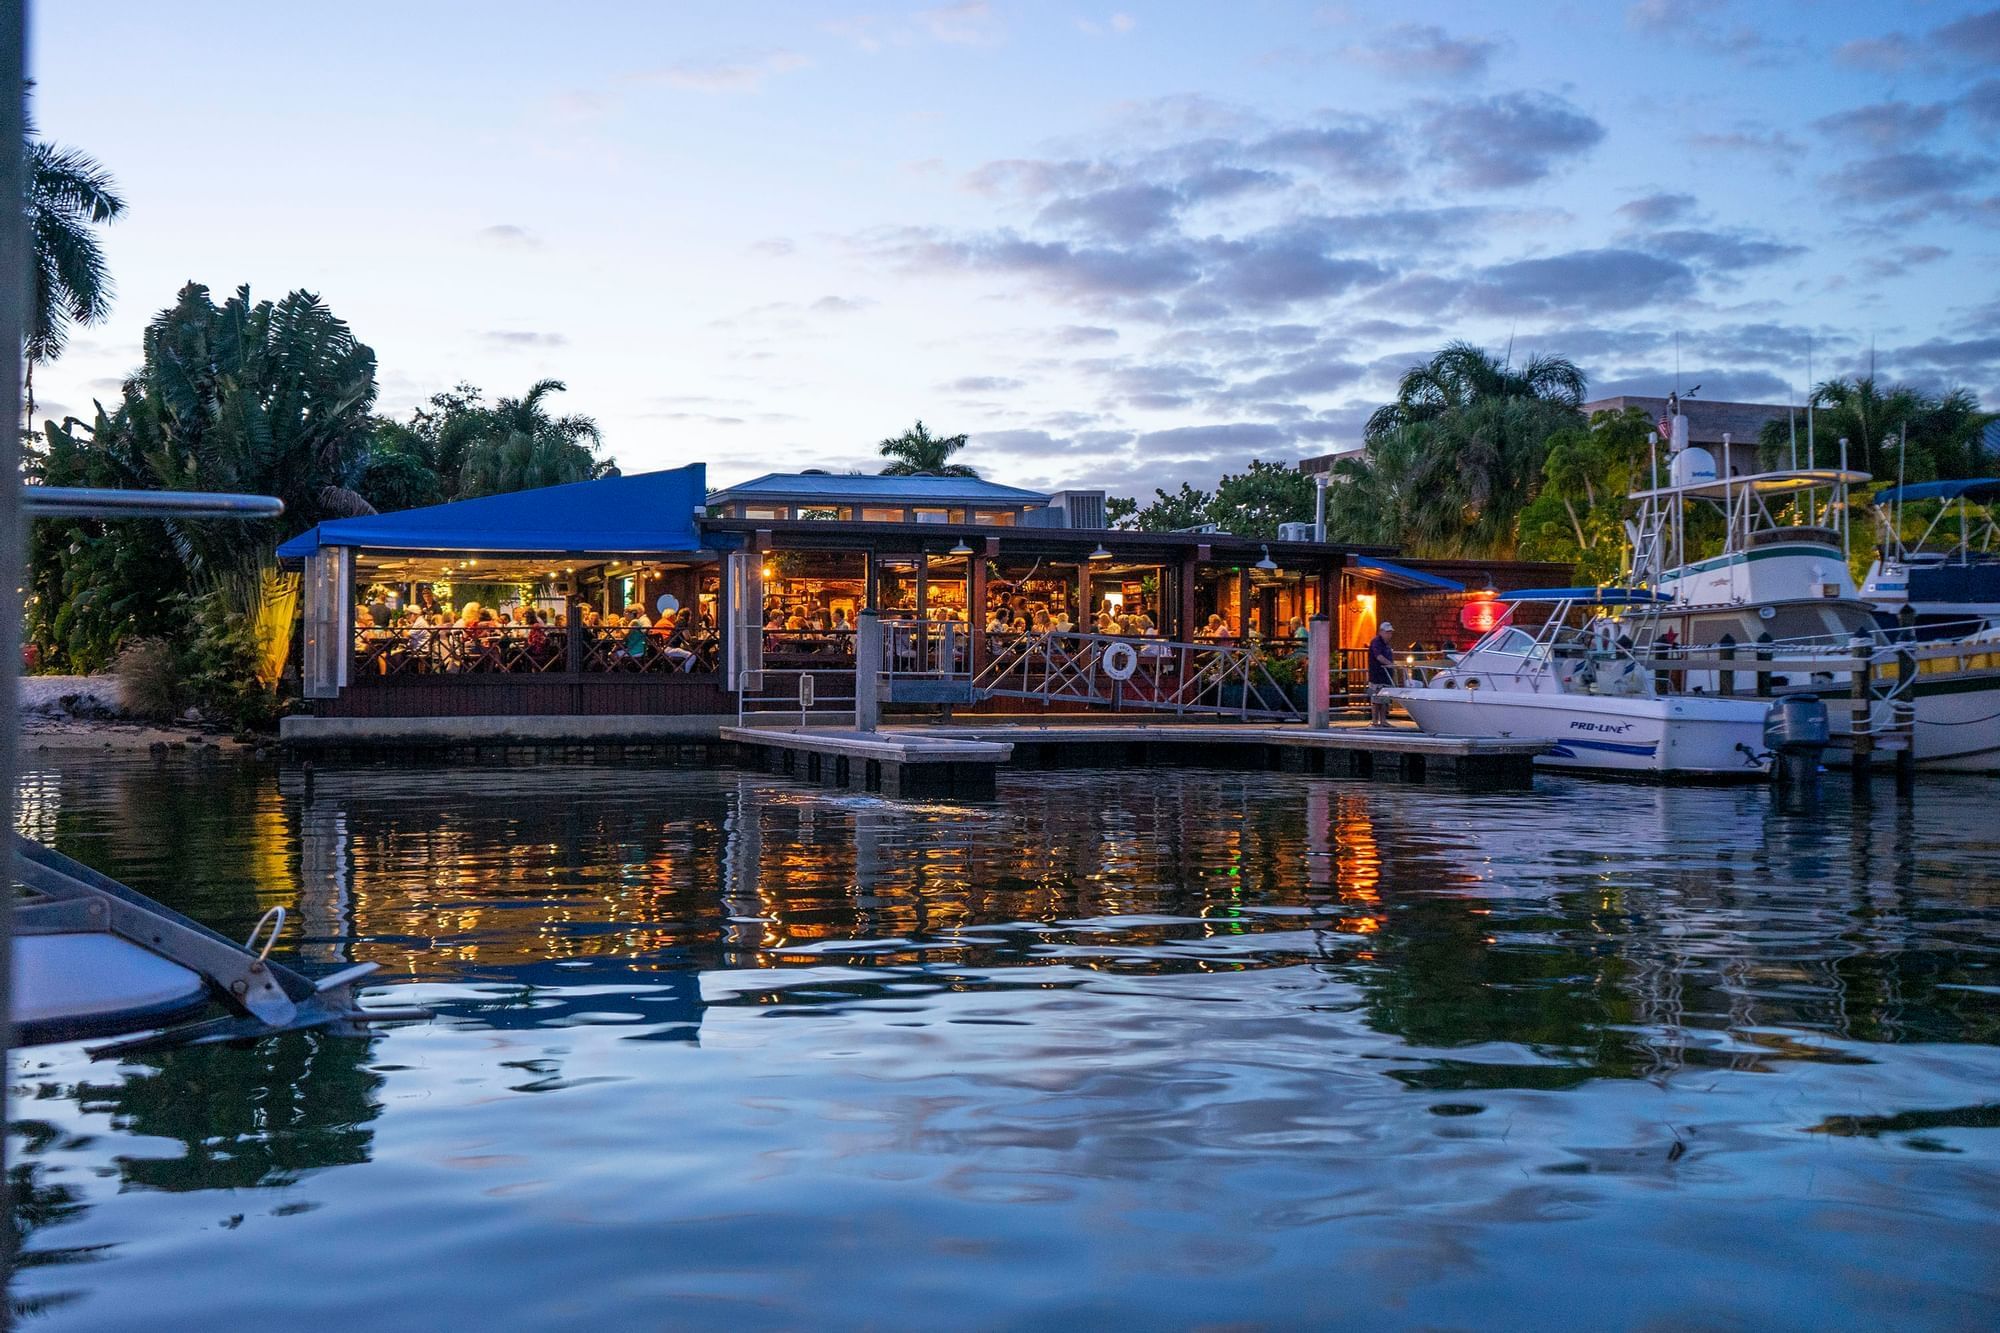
{"x":432,"y":635}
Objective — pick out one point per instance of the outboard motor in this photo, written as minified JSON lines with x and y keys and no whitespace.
{"x":1796,"y":733}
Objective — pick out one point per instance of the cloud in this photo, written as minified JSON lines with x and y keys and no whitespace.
{"x":1726,"y":251}
{"x":745,"y":75}
{"x":1883,"y":125}
{"x":1752,"y":141}
{"x":967,"y":24}
{"x":1203,"y":441}
{"x":1357,"y":150}
{"x":1283,"y":265}
{"x":1124,"y":212}
{"x":509,"y":236}
{"x":1071,"y":269}
{"x":1657,"y":210}
{"x":1511,"y":139}
{"x":1118,"y":25}
{"x":523,"y":338}
{"x":1890,"y":54}
{"x":1974,"y":39}
{"x":1982,"y":103}
{"x":1084,"y":335}
{"x":1717,"y":386}
{"x":1425,"y":51}
{"x":840,"y":305}
{"x":774,"y":247}
{"x":1020,"y":443}
{"x":1580,"y":282}
{"x":983,"y":384}
{"x":1888,"y":177}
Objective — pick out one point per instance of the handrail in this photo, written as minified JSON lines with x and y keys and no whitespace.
{"x":111,"y":502}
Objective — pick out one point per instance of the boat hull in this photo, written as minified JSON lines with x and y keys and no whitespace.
{"x":1652,"y":737}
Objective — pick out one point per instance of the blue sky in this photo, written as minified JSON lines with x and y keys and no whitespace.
{"x":1118,"y":246}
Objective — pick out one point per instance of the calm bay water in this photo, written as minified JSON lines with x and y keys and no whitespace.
{"x":1154,"y":1047}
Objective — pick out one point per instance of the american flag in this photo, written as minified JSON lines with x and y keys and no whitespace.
{"x":1666,"y":428}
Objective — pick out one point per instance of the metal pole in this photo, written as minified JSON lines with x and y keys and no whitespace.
{"x":13,"y":318}
{"x":1319,"y":507}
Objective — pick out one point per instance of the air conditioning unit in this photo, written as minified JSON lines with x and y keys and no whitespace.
{"x":1077,"y":509}
{"x":1295,"y":532}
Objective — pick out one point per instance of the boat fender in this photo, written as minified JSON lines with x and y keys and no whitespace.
{"x":1120,"y":661}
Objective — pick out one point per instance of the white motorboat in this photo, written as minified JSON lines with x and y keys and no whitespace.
{"x":1580,"y":686}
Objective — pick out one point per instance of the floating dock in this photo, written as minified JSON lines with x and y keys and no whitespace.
{"x":908,"y":762}
{"x":964,"y":760}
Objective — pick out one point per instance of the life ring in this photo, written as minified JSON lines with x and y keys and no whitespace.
{"x":1120,"y":661}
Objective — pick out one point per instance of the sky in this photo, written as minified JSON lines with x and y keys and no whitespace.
{"x":1118,"y":247}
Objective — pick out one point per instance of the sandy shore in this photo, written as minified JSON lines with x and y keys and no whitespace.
{"x":82,"y":713}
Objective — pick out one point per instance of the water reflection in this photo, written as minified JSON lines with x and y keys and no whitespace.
{"x":1111,"y":994}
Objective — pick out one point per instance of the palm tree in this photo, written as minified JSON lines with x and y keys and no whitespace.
{"x":918,"y":453}
{"x":68,"y":193}
{"x":522,"y":446}
{"x":1462,"y":374}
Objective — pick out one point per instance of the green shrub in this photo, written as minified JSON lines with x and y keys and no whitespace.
{"x":150,"y":679}
{"x":224,"y":656}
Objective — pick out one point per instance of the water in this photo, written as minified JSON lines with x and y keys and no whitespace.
{"x":1157,"y":1048}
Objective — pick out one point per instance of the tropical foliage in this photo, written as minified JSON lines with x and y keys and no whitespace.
{"x":1251,"y":503}
{"x":1579,"y":514}
{"x":1453,"y":461}
{"x":67,"y":195}
{"x":458,"y":446}
{"x":267,"y":398}
{"x":1944,"y":430}
{"x":918,"y":453}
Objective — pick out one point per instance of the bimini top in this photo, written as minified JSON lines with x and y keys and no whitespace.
{"x":865,"y":488}
{"x":1392,"y":575}
{"x":1979,"y":490}
{"x":1595,"y":596}
{"x":649,"y":512}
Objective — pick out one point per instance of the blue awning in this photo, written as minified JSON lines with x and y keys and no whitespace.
{"x":648,"y":513}
{"x":1978,"y":489}
{"x":1392,"y":575}
{"x":1595,"y":596}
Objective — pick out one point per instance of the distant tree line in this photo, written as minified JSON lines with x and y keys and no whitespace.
{"x":1477,"y":457}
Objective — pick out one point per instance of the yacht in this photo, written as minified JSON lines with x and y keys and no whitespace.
{"x":1779,"y":597}
{"x":1575,"y":680}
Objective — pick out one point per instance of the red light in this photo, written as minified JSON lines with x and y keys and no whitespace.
{"x":1482,"y":614}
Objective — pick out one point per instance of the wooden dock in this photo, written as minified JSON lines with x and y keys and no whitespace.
{"x":904,"y":762}
{"x":964,"y":760}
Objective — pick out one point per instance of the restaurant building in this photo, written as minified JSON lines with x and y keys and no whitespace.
{"x":649,"y":595}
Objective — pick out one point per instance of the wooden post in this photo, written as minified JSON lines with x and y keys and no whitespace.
{"x":1243,"y":605}
{"x":1185,"y":631}
{"x":572,"y":636}
{"x":1906,"y":696}
{"x":975,"y":611}
{"x":1319,"y":672}
{"x":1764,"y":665}
{"x":868,"y":670}
{"x":1726,"y":678}
{"x":1861,"y":747}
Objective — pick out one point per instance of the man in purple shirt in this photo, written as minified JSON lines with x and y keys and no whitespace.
{"x":1381,"y":673}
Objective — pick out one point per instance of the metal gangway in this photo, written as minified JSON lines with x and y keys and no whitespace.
{"x":931,"y":662}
